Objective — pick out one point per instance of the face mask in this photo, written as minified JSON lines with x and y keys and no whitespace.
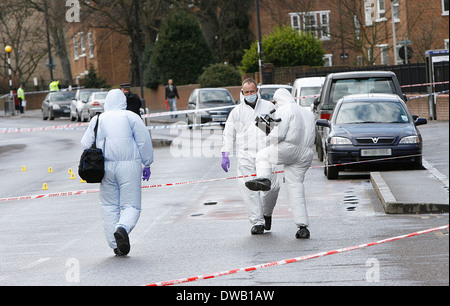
{"x":251,"y":99}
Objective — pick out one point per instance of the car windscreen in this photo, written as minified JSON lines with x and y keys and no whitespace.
{"x":308,"y":92}
{"x":341,"y":88}
{"x":62,"y":96}
{"x":100,"y":95}
{"x":211,"y":96}
{"x":268,"y":92}
{"x":371,"y":112}
{"x":84,"y":95}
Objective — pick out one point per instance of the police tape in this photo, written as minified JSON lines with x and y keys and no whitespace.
{"x":424,"y":84}
{"x":90,"y":191}
{"x":296,"y":259}
{"x":426,"y":95}
{"x":85,"y":124}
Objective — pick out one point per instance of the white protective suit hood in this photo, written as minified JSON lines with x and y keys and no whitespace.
{"x":283,"y":97}
{"x":115,"y":100}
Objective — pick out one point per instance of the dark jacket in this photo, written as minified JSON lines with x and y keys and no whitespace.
{"x":170,"y":94}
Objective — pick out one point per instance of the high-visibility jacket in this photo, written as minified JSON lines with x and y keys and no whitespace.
{"x":54,"y":86}
{"x":21,"y":94}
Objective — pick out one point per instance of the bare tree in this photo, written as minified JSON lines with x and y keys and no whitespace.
{"x":21,"y":30}
{"x":56,"y":11}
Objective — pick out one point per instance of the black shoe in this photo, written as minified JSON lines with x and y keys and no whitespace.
{"x":302,"y":233}
{"x":268,"y":224}
{"x":118,"y":252}
{"x":257,"y":229}
{"x":261,"y":184}
{"x":123,"y":243}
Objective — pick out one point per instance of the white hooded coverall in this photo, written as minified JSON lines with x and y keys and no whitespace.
{"x":126,"y":144}
{"x":240,"y":128}
{"x":291,"y":145}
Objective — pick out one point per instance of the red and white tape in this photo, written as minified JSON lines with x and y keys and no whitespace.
{"x":80,"y":192}
{"x":296,"y":259}
{"x":424,"y":84}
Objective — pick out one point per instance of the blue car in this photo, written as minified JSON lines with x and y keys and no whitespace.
{"x":370,"y":127}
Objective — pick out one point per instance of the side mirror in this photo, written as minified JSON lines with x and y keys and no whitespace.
{"x":323,"y":122}
{"x":315,"y":104}
{"x":420,"y":121}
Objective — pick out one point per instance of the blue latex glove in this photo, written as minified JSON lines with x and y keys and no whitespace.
{"x":146,"y":173}
{"x":225,"y":161}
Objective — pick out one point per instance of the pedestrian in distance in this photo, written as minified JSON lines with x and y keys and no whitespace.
{"x":53,"y":86}
{"x":172,"y":96}
{"x":126,"y":145}
{"x":133,"y":100}
{"x":21,"y":97}
{"x":240,"y":130}
{"x":291,"y":145}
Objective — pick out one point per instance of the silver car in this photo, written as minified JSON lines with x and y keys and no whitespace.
{"x":93,"y":105}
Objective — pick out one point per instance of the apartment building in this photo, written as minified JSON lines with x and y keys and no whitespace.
{"x":361,"y":32}
{"x":353,"y":32}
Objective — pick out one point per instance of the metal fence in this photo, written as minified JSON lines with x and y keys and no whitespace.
{"x":406,"y":74}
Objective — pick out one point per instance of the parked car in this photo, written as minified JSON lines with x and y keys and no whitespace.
{"x":94,"y":105}
{"x":307,"y":87}
{"x":202,"y":98}
{"x":267,"y":91}
{"x":370,"y":127}
{"x":338,"y":85}
{"x":56,"y":104}
{"x":81,"y":97}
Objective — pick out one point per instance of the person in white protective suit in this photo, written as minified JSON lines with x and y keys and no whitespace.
{"x":291,"y":145}
{"x":126,"y":145}
{"x":240,"y":129}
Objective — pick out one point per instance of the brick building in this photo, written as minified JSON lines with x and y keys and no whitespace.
{"x":360,"y":32}
{"x":353,"y":32}
{"x":107,"y":51}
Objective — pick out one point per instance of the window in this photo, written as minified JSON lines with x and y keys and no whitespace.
{"x":445,"y":7}
{"x":90,"y":45}
{"x":316,"y":23}
{"x":75,"y":47}
{"x":82,"y":44}
{"x":375,"y":10}
{"x":384,"y":54}
{"x":328,"y":60}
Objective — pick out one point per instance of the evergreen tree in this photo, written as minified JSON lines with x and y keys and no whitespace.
{"x":92,"y":80}
{"x":285,"y":47}
{"x":181,"y":51}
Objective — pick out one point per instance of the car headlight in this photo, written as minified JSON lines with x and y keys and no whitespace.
{"x":55,"y":106}
{"x":410,"y":140}
{"x":340,"y":141}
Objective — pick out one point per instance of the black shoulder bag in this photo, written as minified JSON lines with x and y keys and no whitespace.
{"x":92,"y":163}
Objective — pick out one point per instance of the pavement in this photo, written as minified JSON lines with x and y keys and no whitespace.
{"x":412,"y":192}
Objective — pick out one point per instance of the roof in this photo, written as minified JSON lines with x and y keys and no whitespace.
{"x":360,"y":74}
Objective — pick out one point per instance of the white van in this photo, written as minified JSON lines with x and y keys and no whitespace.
{"x":305,"y":90}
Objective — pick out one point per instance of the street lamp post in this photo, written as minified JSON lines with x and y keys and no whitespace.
{"x":8,"y":50}
{"x":260,"y":49}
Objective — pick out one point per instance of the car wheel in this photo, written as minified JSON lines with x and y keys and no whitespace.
{"x":78,"y":117}
{"x":332,"y":172}
{"x":44,"y":117}
{"x":51,"y":116}
{"x":72,"y":118}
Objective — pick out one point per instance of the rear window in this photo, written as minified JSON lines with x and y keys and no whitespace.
{"x":341,"y":88}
